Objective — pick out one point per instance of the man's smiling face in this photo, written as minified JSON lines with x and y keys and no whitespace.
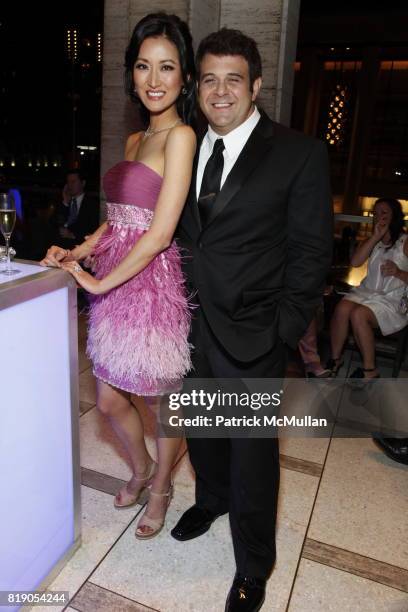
{"x":225,"y":94}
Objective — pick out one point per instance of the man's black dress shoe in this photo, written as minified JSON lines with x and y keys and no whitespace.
{"x":246,"y":595}
{"x":194,"y":522}
{"x":394,"y":448}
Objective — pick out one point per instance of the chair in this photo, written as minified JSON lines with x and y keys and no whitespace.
{"x":393,"y":346}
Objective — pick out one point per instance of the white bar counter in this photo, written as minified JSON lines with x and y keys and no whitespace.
{"x":40,"y":506}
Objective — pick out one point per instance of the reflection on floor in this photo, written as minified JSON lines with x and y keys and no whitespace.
{"x":342,"y":527}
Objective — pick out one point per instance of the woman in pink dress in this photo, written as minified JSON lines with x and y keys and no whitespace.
{"x":139,"y":314}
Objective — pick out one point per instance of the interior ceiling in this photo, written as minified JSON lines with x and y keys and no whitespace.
{"x":357,"y":23}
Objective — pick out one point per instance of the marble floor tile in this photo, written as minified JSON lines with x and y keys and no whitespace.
{"x":87,"y":387}
{"x":92,"y":597}
{"x":312,"y":449}
{"x":102,"y":525}
{"x":82,"y":339}
{"x":393,"y":395}
{"x":309,"y":449}
{"x":362,"y":502}
{"x":132,"y":567}
{"x":351,"y":562}
{"x":83,"y":362}
{"x":301,"y":465}
{"x":84,"y":407}
{"x":319,"y":588}
{"x":107,"y":484}
{"x":82,"y":326}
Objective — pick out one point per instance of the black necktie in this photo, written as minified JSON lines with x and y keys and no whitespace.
{"x":73,"y":212}
{"x":210,"y":185}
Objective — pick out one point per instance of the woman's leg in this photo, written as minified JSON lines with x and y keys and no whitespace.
{"x":167,"y":451}
{"x":308,"y":351}
{"x":308,"y":344}
{"x":127,"y":424}
{"x":339,"y":327}
{"x":363,"y":322}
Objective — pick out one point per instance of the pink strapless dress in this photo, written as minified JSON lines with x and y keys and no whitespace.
{"x":137,"y":336}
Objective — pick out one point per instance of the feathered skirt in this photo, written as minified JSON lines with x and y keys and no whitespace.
{"x":138,"y":332}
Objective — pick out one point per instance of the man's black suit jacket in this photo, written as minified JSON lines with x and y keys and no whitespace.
{"x":87,"y":220}
{"x":259,"y":265}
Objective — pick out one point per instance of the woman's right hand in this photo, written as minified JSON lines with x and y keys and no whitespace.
{"x":55,"y":255}
{"x":380,"y":229}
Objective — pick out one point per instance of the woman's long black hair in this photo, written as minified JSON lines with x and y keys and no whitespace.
{"x":177,"y":31}
{"x":397,"y":221}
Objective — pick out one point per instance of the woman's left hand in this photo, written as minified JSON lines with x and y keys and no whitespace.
{"x":86,"y":280}
{"x":389,"y":268}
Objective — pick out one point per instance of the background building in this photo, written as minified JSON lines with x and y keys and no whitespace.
{"x":50,"y":92}
{"x":335,"y":71}
{"x":351,"y":89}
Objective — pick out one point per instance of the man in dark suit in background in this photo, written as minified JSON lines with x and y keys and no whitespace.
{"x":79,"y":213}
{"x":258,"y":226}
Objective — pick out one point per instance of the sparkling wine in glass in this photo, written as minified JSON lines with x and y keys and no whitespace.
{"x":7,"y":222}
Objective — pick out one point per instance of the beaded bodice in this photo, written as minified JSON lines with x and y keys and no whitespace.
{"x":132,"y":190}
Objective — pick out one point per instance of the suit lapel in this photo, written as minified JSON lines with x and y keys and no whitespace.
{"x":250,"y":157}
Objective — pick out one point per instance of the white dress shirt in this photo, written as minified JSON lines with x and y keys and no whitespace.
{"x":78,"y":201}
{"x":234,"y":142}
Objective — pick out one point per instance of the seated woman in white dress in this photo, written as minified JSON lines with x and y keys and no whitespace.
{"x":375,"y":303}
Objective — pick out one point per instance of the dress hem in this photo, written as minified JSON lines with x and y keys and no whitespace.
{"x":137,"y":391}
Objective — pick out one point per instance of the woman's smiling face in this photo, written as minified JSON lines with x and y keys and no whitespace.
{"x":157,"y":74}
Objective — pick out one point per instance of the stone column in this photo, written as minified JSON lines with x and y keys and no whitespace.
{"x":273,"y":24}
{"x":114,"y":102}
{"x":204,"y":18}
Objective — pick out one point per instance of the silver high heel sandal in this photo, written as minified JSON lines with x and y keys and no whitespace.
{"x":132,"y":499}
{"x":156,"y":525}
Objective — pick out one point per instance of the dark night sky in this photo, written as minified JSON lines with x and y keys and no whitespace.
{"x":36,"y":107}
{"x":35,"y":78}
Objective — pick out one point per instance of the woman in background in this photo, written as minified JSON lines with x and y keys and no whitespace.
{"x":375,"y":303}
{"x":139,"y":313}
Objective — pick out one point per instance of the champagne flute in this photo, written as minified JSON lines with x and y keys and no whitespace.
{"x":7,"y":221}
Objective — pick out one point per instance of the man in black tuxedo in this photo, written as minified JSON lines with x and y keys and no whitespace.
{"x":79,"y":213}
{"x":258,"y":228}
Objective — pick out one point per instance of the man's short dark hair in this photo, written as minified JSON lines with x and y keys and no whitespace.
{"x":76,"y":171}
{"x":231,"y":42}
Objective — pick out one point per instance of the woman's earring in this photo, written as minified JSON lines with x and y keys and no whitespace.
{"x":184,"y":90}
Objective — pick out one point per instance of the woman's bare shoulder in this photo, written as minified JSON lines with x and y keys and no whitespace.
{"x":181,"y":135}
{"x":183,"y":131}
